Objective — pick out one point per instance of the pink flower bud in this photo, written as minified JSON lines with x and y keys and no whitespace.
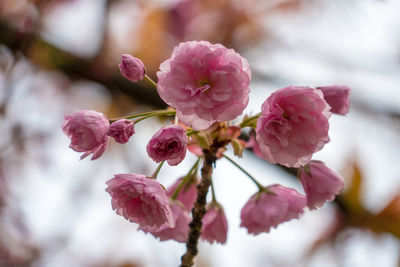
{"x":320,"y":183}
{"x":294,"y":125}
{"x":121,"y":130}
{"x":87,"y":130}
{"x":337,"y":97}
{"x":215,"y":225}
{"x":188,"y":193}
{"x":168,"y":143}
{"x":205,"y":83}
{"x":180,"y":231}
{"x":140,"y":200}
{"x":132,"y":68}
{"x":268,"y":209}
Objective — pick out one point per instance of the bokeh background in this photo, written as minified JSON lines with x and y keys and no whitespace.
{"x":59,"y":56}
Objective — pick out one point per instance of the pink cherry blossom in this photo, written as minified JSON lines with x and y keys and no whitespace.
{"x":268,"y":209}
{"x":252,"y":143}
{"x":180,"y":231}
{"x":296,"y":202}
{"x":205,"y":83}
{"x":168,"y":143}
{"x":121,"y":130}
{"x":294,"y":125}
{"x":320,"y":183}
{"x":215,"y":225}
{"x":337,"y":97}
{"x":188,"y":193}
{"x":140,"y":200}
{"x":87,"y":130}
{"x":132,"y":68}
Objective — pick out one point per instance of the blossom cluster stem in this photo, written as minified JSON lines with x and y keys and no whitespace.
{"x":199,"y":208}
{"x":192,"y":171}
{"x":161,"y":112}
{"x":214,"y":199}
{"x":150,"y":81}
{"x":158,"y":170}
{"x":259,"y":185}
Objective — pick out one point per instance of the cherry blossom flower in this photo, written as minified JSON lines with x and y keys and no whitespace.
{"x":121,"y":130}
{"x":252,"y":143}
{"x":215,"y":225}
{"x":337,"y":97}
{"x":87,"y":130}
{"x":294,"y":125}
{"x":320,"y":183}
{"x":168,"y":143}
{"x":188,"y":193}
{"x":205,"y":83}
{"x":180,"y":231}
{"x":140,"y":200}
{"x":268,"y":209}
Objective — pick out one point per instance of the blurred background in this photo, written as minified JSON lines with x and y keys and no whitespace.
{"x":59,"y":56}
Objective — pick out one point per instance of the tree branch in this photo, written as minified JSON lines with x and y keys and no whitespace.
{"x":199,"y":208}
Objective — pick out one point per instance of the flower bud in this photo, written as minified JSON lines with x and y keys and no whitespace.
{"x":132,"y":68}
{"x":168,"y":143}
{"x":121,"y":130}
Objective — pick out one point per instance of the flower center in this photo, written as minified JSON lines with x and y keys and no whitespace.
{"x":203,"y":86}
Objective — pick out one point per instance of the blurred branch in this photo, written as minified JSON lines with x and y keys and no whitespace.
{"x":354,"y":214}
{"x":48,"y":56}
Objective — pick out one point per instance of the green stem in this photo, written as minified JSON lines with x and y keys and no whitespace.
{"x":164,"y":113}
{"x":214,"y":199}
{"x":247,"y":121}
{"x":160,"y":111}
{"x":150,"y":81}
{"x":184,"y":180}
{"x":260,"y":187}
{"x":158,"y":170}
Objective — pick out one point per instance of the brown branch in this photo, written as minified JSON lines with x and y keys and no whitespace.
{"x":49,"y":56}
{"x":199,"y":208}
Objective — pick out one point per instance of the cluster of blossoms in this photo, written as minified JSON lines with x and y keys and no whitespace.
{"x":207,"y":86}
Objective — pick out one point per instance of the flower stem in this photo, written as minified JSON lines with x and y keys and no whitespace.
{"x":214,"y":199}
{"x":259,"y":185}
{"x":185,"y":179}
{"x":158,"y":170}
{"x":150,"y":81}
{"x":163,"y":113}
{"x":154,"y":113}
